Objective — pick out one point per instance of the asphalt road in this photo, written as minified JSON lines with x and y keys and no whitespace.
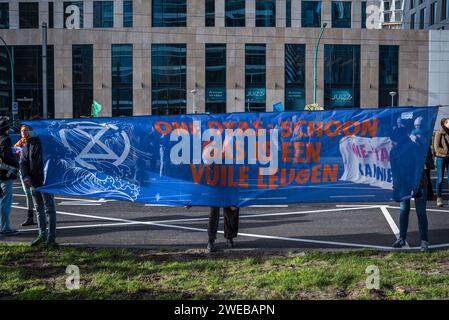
{"x":307,"y":226}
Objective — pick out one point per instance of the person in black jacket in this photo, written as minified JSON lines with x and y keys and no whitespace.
{"x":7,"y":176}
{"x":32,"y":170}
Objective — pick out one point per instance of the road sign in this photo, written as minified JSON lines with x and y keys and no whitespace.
{"x":278,"y":107}
{"x":15,"y":107}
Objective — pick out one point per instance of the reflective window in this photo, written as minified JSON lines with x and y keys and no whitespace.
{"x":216,"y":78}
{"x":82,"y":77}
{"x":103,"y":14}
{"x":50,"y":15}
{"x":71,"y":11}
{"x":28,"y":81}
{"x":341,"y":14}
{"x":388,"y":75}
{"x":433,"y":13}
{"x":422,"y":18}
{"x":412,"y":20}
{"x":295,"y":74}
{"x":341,"y":76}
{"x":234,"y":13}
{"x":444,"y":9}
{"x":127,"y":14}
{"x":255,"y":77}
{"x":169,"y":13}
{"x":4,"y":15}
{"x":363,"y":15}
{"x":168,"y":74}
{"x":265,"y":13}
{"x":311,"y":14}
{"x":122,"y":80}
{"x":28,"y":15}
{"x":288,"y":13}
{"x":210,"y":13}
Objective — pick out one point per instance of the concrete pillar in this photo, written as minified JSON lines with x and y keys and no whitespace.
{"x":118,"y":14}
{"x":369,"y":76}
{"x":235,"y":97}
{"x":250,"y":10}
{"x":275,"y":74}
{"x":280,"y":13}
{"x":43,"y":12}
{"x":196,"y":13}
{"x":13,"y":14}
{"x":63,"y":81}
{"x":326,"y":13}
{"x":88,"y":14}
{"x":195,"y":66}
{"x":296,"y":13}
{"x":102,"y":77}
{"x":219,"y":13}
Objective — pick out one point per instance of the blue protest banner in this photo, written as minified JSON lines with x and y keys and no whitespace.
{"x":239,"y":159}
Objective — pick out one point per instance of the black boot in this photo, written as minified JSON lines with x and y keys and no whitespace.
{"x":29,"y":221}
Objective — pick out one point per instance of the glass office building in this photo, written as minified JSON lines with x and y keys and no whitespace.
{"x":160,"y":57}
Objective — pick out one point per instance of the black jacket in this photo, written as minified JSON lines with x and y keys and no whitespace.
{"x":31,"y":163}
{"x":7,"y":156}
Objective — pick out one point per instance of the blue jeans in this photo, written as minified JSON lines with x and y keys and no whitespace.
{"x":45,"y":207}
{"x":420,"y":205}
{"x":5,"y":205}
{"x":29,"y":197}
{"x":442,"y":165}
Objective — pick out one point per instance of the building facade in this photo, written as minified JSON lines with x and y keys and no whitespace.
{"x":426,"y":14}
{"x":141,"y":57}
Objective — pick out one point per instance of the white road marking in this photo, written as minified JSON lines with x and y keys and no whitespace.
{"x":392,"y":224}
{"x":78,"y":203}
{"x":356,"y":205}
{"x":345,"y":244}
{"x":86,"y":226}
{"x":357,"y":196}
{"x":427,"y":209}
{"x":269,"y":206}
{"x":73,"y":199}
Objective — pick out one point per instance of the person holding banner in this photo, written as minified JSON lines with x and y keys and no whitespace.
{"x":420,"y":205}
{"x":32,"y":170}
{"x":8,"y":173}
{"x":441,"y":147}
{"x":231,"y":226}
{"x":24,"y":132}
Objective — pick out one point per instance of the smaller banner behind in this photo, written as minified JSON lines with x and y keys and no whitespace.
{"x":240,"y":159}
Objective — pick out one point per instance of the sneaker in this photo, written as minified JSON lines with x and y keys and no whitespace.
{"x":211,"y":246}
{"x":439,"y":202}
{"x":9,"y":232}
{"x":39,"y":240}
{"x":399,"y":243}
{"x":424,"y":246}
{"x":28,"y":222}
{"x":230,"y":243}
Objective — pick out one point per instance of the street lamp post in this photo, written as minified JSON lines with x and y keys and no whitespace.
{"x":392,"y":94}
{"x":13,"y":91}
{"x":315,"y":62}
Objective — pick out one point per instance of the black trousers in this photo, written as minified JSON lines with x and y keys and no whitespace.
{"x":231,"y":222}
